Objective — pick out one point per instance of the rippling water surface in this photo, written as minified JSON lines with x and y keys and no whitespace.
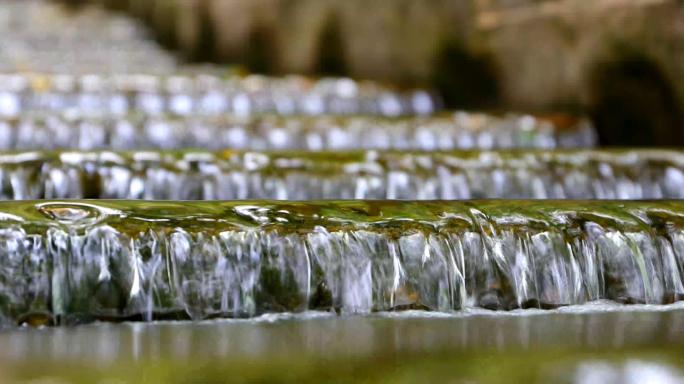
{"x":593,"y":326}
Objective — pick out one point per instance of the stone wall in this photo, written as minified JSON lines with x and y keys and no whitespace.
{"x":387,"y":39}
{"x":619,"y":60}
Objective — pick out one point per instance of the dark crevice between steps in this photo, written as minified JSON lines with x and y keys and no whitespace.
{"x":331,"y":59}
{"x":204,"y":50}
{"x":633,"y":103}
{"x":165,"y":22}
{"x":117,"y":5}
{"x":260,"y":55}
{"x":464,"y":79}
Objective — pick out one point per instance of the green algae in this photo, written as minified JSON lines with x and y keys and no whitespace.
{"x":138,"y":216}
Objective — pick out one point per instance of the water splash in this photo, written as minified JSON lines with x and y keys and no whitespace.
{"x":150,"y":260}
{"x":200,"y":175}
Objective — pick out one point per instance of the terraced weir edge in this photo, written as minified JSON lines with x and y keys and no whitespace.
{"x":371,"y":175}
{"x":75,"y":129}
{"x":73,"y":261}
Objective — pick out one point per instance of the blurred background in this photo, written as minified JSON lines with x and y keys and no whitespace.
{"x":618,"y":61}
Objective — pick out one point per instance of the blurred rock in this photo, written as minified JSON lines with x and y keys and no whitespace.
{"x":513,"y":54}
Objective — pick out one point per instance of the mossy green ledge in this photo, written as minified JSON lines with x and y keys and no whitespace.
{"x":73,"y":261}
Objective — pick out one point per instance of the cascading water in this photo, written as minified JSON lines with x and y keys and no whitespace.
{"x":271,"y":132}
{"x":74,"y":261}
{"x":201,"y":175}
{"x":204,"y":94}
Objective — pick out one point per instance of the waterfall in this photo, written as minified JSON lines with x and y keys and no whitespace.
{"x":371,"y":175}
{"x":273,"y":132}
{"x":80,"y":260}
{"x":205,"y":94}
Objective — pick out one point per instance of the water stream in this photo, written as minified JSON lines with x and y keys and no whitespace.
{"x":184,"y":93}
{"x":77,"y":261}
{"x":272,"y":132}
{"x":229,"y":175}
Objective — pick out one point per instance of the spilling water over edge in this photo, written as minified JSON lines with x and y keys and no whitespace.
{"x":255,"y":131}
{"x":370,"y":175}
{"x":76,"y":261}
{"x":206,"y":94}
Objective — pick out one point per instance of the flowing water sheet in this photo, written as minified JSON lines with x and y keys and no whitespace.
{"x":77,"y":261}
